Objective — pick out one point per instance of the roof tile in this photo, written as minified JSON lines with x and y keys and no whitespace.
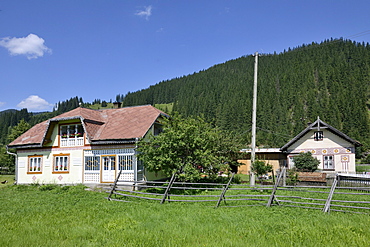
{"x":108,"y":124}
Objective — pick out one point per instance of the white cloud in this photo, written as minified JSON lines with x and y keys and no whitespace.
{"x":31,"y":46}
{"x":145,"y":13}
{"x":2,"y":103}
{"x":35,"y":103}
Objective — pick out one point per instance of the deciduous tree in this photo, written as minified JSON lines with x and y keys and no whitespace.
{"x":260,"y":168}
{"x":189,"y":146}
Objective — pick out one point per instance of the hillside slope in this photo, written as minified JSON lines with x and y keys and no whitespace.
{"x":330,"y":80}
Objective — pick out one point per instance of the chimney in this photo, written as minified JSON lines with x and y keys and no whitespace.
{"x":117,"y":105}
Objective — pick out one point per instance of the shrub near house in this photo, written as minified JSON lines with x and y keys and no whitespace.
{"x":305,"y":162}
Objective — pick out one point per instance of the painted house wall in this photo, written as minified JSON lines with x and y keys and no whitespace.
{"x":76,"y":173}
{"x":47,"y":175}
{"x":342,"y":151}
{"x":77,"y":154}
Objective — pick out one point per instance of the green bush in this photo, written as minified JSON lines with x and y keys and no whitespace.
{"x":260,"y":168}
{"x":305,"y":162}
{"x":292,"y":177}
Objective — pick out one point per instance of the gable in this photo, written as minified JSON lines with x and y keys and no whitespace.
{"x":331,"y":138}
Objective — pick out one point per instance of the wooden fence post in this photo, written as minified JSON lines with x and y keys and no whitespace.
{"x":272,"y":197}
{"x":114,"y":185}
{"x":222,"y":196}
{"x":168,"y":187}
{"x":328,"y":201}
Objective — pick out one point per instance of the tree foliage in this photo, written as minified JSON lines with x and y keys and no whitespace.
{"x":305,"y":162}
{"x":18,"y":130}
{"x":189,"y":146}
{"x":260,"y":168}
{"x":6,"y":160}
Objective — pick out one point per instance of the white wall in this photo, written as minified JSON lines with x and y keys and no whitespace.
{"x":333,"y":145}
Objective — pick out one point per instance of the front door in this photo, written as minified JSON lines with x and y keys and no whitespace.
{"x":108,"y":169}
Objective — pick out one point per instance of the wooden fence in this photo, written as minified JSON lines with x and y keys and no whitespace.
{"x":4,"y":170}
{"x":338,"y":197}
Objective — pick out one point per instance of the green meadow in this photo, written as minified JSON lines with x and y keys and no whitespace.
{"x":50,"y":215}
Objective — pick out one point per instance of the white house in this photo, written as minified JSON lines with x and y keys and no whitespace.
{"x":334,"y":149}
{"x":85,"y":146}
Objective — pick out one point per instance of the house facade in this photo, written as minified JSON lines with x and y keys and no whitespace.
{"x":86,"y":146}
{"x":334,"y":149}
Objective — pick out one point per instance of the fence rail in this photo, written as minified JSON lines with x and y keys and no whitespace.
{"x":338,"y":197}
{"x":5,"y":170}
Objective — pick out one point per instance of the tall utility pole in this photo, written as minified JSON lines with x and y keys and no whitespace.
{"x":254,"y":119}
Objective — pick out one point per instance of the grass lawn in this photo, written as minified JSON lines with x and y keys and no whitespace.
{"x":8,"y":178}
{"x":360,"y":168}
{"x":50,"y":215}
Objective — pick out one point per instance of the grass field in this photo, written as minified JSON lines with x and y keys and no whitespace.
{"x":362,"y":168}
{"x":49,"y":215}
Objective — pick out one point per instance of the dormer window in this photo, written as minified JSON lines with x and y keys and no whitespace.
{"x":318,"y":136}
{"x":71,"y":135}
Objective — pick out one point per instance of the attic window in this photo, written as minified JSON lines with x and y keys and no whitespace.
{"x":318,"y":136}
{"x":71,"y":135}
{"x":71,"y":131}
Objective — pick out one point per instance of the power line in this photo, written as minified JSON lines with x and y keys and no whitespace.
{"x":269,"y":131}
{"x":359,"y":34}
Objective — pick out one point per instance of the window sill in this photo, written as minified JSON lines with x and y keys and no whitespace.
{"x":34,"y":172}
{"x":60,"y":172}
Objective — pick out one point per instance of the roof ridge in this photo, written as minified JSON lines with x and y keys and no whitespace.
{"x":328,"y":126}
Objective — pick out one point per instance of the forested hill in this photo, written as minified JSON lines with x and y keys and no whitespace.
{"x":330,"y":80}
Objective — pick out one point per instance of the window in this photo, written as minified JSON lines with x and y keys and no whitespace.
{"x":291,"y":162}
{"x":61,"y":163}
{"x":34,"y":164}
{"x":71,"y":135}
{"x":92,"y":163}
{"x":318,"y":136}
{"x":328,"y":162}
{"x":125,"y":162}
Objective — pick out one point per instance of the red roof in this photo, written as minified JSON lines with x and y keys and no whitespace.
{"x":110,"y":124}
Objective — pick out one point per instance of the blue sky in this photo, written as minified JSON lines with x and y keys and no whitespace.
{"x":52,"y":50}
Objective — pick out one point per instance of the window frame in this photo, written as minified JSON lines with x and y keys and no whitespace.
{"x":318,"y":135}
{"x":92,"y":159}
{"x":291,"y":163}
{"x":74,"y":132}
{"x":32,"y":157}
{"x":126,"y":162}
{"x":55,"y":157}
{"x":332,"y":168}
